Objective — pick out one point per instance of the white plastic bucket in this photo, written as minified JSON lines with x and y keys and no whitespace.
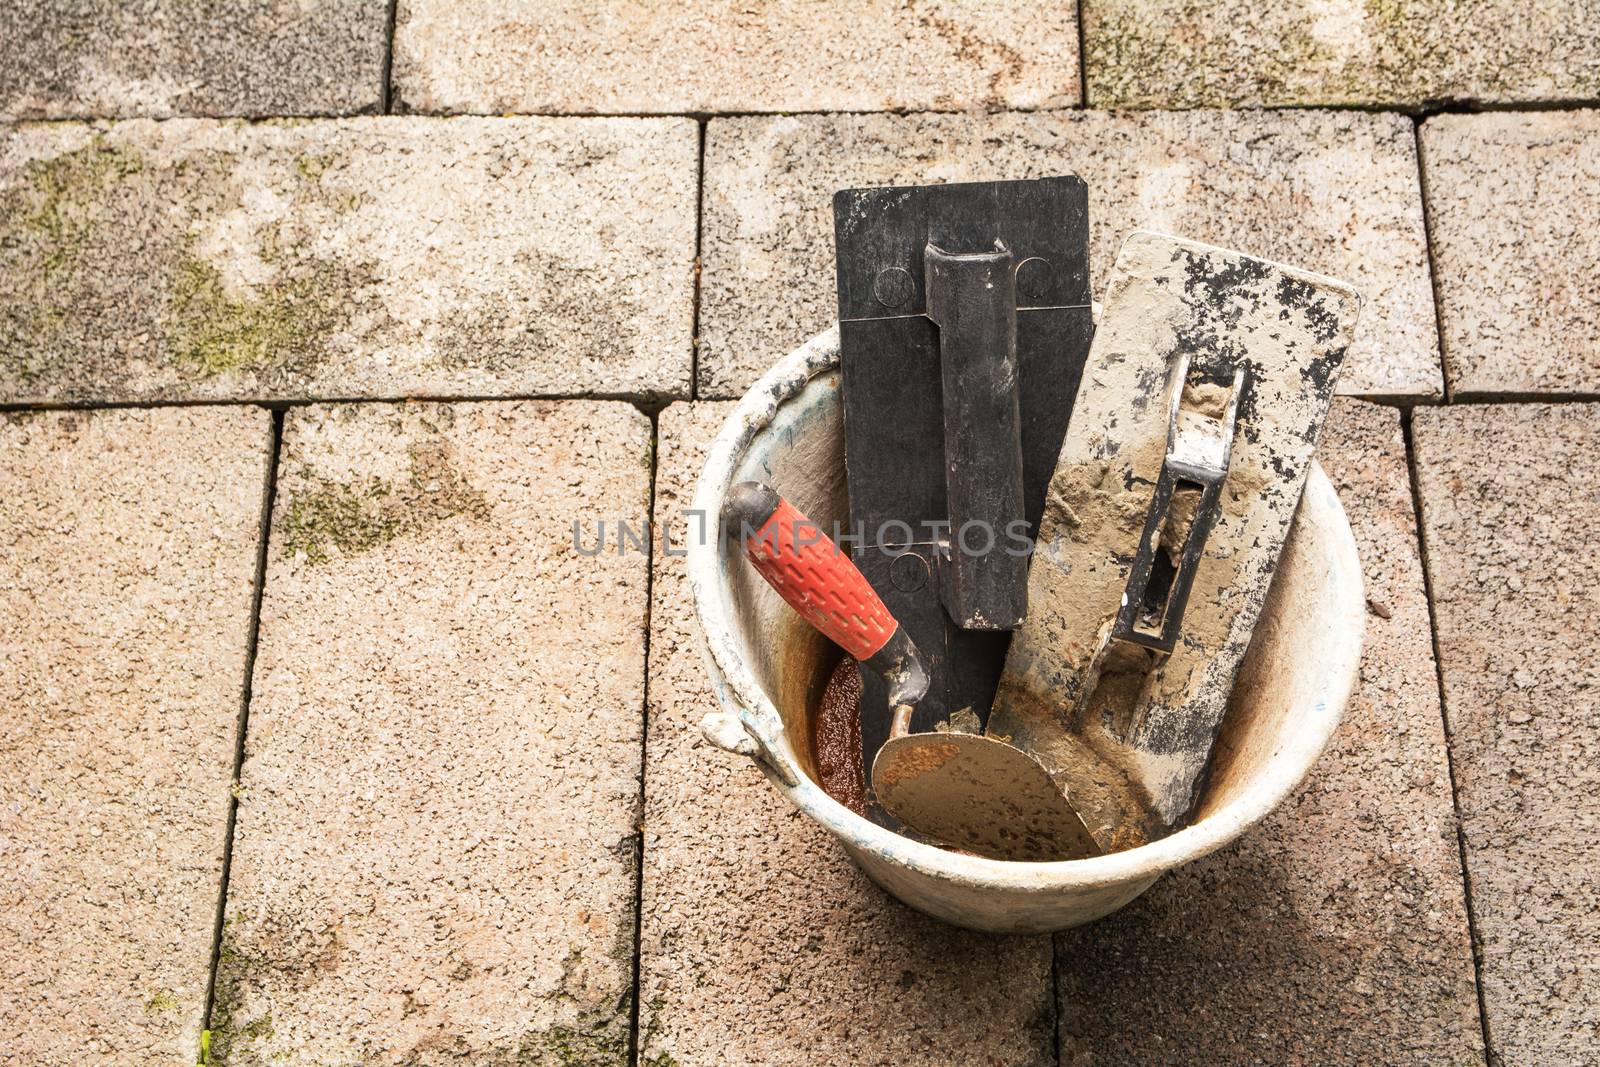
{"x":766,"y":664}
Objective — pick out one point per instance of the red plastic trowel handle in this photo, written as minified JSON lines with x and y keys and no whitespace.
{"x":807,"y":569}
{"x":816,"y":579}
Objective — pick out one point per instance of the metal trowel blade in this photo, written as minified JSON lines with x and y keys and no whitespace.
{"x":980,"y":795}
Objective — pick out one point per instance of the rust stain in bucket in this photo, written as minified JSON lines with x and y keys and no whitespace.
{"x":836,"y":738}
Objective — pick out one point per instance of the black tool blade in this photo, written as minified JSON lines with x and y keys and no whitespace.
{"x":895,"y":444}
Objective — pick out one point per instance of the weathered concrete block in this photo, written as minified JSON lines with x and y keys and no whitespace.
{"x":1335,"y":192}
{"x":399,"y":257}
{"x":1512,"y":200}
{"x":437,"y":831}
{"x":1336,"y":931}
{"x":126,"y":583}
{"x":1203,"y":53}
{"x":761,"y":942}
{"x":103,"y":59}
{"x":1510,"y":498}
{"x":786,"y":55}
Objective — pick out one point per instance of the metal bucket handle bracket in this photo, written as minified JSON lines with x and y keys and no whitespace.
{"x":747,"y":723}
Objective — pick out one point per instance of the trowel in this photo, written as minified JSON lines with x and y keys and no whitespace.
{"x":1193,"y":430}
{"x":960,"y":790}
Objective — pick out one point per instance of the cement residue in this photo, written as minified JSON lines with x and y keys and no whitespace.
{"x":1206,"y":398}
{"x":1181,"y":512}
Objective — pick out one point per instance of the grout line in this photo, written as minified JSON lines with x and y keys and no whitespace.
{"x":1083,"y":68}
{"x":646,"y":399}
{"x":1410,"y":403}
{"x":1449,"y":751}
{"x":1420,"y":112}
{"x":1055,"y":1000}
{"x":699,"y":267}
{"x":1574,"y":397}
{"x":1433,"y":266}
{"x":388,"y":58}
{"x":634,"y":1051}
{"x":652,"y":401}
{"x":1425,"y":110}
{"x":269,"y":494}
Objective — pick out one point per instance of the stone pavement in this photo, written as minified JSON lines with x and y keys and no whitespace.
{"x":326,"y":739}
{"x":125,"y":602}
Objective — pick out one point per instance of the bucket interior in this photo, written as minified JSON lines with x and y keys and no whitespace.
{"x":801,"y":454}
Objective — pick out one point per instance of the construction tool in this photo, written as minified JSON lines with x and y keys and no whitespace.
{"x":815,"y":578}
{"x":959,"y":790}
{"x":1192,"y":433}
{"x":964,"y":319}
{"x":977,"y":794}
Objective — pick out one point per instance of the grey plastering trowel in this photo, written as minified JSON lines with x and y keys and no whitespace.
{"x":1191,"y":437}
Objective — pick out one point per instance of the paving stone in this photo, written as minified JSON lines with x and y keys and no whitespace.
{"x":761,"y":943}
{"x":126,"y":578}
{"x":1510,"y":498}
{"x":1332,"y":191}
{"x":159,"y":58}
{"x":620,"y":56}
{"x":464,"y":257}
{"x":1512,"y":200}
{"x":1233,"y":53}
{"x":1335,"y":932}
{"x":435,"y":855}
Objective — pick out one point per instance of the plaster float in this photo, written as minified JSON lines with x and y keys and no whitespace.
{"x":1190,"y":441}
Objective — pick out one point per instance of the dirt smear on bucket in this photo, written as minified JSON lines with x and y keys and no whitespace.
{"x":836,"y":738}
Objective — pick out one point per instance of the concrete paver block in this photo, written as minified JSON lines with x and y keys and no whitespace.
{"x":1331,"y":191}
{"x":126,"y":579}
{"x":786,"y":55}
{"x":106,"y":59}
{"x":1510,"y":498}
{"x":435,"y":854}
{"x":1512,"y":200}
{"x":761,"y":943}
{"x":464,"y":257}
{"x":1232,"y":53}
{"x":1335,"y":932}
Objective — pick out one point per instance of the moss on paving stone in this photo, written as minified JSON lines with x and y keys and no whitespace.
{"x":352,"y":518}
{"x":598,"y":1038}
{"x":159,"y":1001}
{"x":283,"y":324}
{"x":60,"y":198}
{"x":64,"y":222}
{"x":209,"y":332}
{"x":47,"y":221}
{"x":1410,"y":53}
{"x":225,"y":1030}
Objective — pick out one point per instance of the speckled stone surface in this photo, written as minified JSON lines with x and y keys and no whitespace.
{"x":1512,"y":202}
{"x":620,"y":56}
{"x":1335,"y":192}
{"x":435,"y":853}
{"x":761,"y":943}
{"x":1510,"y":499}
{"x":128,"y":544}
{"x":1205,"y":53}
{"x":461,"y":257}
{"x":159,"y":58}
{"x":1335,"y":932}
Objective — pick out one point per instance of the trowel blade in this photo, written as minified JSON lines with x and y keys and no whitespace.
{"x":978,"y":794}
